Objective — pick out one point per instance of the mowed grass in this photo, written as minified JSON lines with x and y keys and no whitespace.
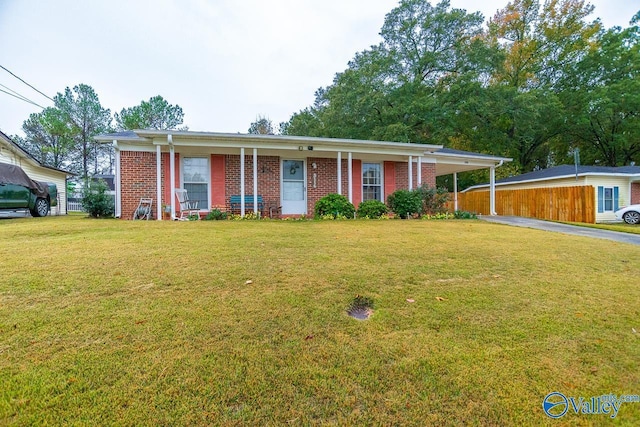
{"x":107,"y":322}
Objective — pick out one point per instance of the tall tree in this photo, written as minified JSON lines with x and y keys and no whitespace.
{"x":262,"y":126}
{"x":156,"y":113}
{"x":603,"y":98}
{"x":81,"y":108}
{"x":48,"y":137}
{"x":389,"y":92}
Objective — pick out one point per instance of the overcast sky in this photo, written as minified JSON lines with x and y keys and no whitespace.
{"x":223,"y":61}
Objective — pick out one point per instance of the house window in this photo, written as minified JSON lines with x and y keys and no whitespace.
{"x":608,"y":199}
{"x":371,"y":181}
{"x":195,"y":179}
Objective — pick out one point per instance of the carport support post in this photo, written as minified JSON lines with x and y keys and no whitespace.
{"x":455,"y":191}
{"x":158,"y":183}
{"x":492,"y":191}
{"x":242,"y":181}
{"x":255,"y":181}
{"x":419,"y":171}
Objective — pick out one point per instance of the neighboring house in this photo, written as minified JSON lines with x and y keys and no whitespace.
{"x":613,"y":187}
{"x":12,"y":153}
{"x":288,"y":172}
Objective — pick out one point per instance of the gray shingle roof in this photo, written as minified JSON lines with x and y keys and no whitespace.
{"x":569,"y":170}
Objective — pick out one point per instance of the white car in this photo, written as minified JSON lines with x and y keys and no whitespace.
{"x":630,"y":214}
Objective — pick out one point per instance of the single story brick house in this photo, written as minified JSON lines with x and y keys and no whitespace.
{"x":12,"y":153}
{"x":289,"y":172}
{"x":612,"y":187}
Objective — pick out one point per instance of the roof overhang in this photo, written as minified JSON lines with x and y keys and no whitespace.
{"x":26,"y":156}
{"x":449,"y":163}
{"x":268,"y":142}
{"x":445,"y":162}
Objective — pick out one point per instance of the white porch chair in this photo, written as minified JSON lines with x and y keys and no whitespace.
{"x":188,"y":208}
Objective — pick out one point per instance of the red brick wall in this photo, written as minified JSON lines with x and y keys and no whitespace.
{"x":137,"y":180}
{"x":429,"y":174}
{"x":268,"y":177}
{"x":402,"y":175}
{"x":326,"y":179}
{"x":635,"y":193}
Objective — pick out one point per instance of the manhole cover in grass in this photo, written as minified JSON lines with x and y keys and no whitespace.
{"x":361,"y":308}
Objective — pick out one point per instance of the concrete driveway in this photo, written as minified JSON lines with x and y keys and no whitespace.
{"x":538,"y":224}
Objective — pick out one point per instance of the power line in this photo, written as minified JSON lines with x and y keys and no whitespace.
{"x":17,"y":94}
{"x":22,"y":98}
{"x":32,"y":87}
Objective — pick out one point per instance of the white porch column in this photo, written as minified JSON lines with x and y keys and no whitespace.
{"x":172,"y":175}
{"x":455,"y":191}
{"x":350,"y":176}
{"x":419,"y":171}
{"x":255,"y":181}
{"x":117,"y":183}
{"x":242,"y":181}
{"x":492,"y":191}
{"x":339,"y":174}
{"x":158,"y":183}
{"x":410,"y":172}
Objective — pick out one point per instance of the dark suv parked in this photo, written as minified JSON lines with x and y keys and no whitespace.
{"x":18,"y":191}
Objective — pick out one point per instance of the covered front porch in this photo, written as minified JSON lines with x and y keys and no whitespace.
{"x":256,"y":173}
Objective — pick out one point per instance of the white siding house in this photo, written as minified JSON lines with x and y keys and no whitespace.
{"x":614,"y":187}
{"x":12,"y":153}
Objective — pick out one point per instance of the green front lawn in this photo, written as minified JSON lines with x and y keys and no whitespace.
{"x":244,"y":322}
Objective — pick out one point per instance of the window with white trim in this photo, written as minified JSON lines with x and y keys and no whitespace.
{"x":195,"y":179}
{"x":371,"y":181}
{"x":608,"y":199}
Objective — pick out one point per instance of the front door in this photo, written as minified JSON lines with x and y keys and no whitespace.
{"x":294,"y":195}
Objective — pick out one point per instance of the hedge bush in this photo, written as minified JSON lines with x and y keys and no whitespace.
{"x":373,"y":209}
{"x":404,"y":203}
{"x":335,"y":205}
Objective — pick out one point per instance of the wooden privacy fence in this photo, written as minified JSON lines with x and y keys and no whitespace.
{"x":573,"y":204}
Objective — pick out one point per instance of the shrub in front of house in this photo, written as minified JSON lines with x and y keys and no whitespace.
{"x":216,"y":215}
{"x":433,"y":199}
{"x":372,"y":209}
{"x":95,"y":200}
{"x":464,"y":215}
{"x":336,"y":205}
{"x":405,"y":203}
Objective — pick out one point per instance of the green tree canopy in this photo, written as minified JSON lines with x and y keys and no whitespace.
{"x":156,"y":113}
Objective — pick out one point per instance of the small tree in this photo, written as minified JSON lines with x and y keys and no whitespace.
{"x":96,"y":202}
{"x":433,"y":199}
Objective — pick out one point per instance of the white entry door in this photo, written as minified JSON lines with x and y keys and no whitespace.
{"x":294,"y":194}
